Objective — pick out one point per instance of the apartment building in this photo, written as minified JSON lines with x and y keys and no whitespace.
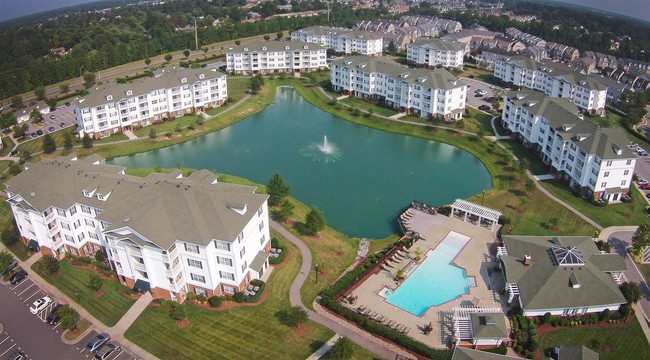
{"x":113,"y":108}
{"x":341,"y":40}
{"x":427,"y":93}
{"x":166,"y":232}
{"x":586,"y":93}
{"x":595,"y":161}
{"x":266,"y":57}
{"x":431,"y":53}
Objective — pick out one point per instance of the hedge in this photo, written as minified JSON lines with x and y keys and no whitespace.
{"x":275,"y":243}
{"x":259,"y":293}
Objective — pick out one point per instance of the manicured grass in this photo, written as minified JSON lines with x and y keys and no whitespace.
{"x":608,"y":121}
{"x":251,"y":332}
{"x":108,"y":139}
{"x":645,"y":269}
{"x":362,"y":105}
{"x":108,"y":308}
{"x":7,"y":144}
{"x":7,"y":219}
{"x":82,"y":326}
{"x":168,"y":126}
{"x":477,"y":73}
{"x":4,"y":165}
{"x":521,"y":152}
{"x":625,"y":342}
{"x":610,"y":215}
{"x":238,"y":87}
{"x":36,"y":145}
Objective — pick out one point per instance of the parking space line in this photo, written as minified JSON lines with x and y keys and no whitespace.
{"x":118,"y":354}
{"x":39,"y":290}
{"x":21,"y":283}
{"x":7,"y":338}
{"x":12,"y":346}
{"x":26,"y":289}
{"x":56,"y":326}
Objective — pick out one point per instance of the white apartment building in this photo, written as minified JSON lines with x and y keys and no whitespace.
{"x":427,"y":93}
{"x":588,"y":94}
{"x":436,"y":52}
{"x":596,"y":161}
{"x":268,"y":57}
{"x":112,"y":108}
{"x":167,"y":233}
{"x":341,"y":40}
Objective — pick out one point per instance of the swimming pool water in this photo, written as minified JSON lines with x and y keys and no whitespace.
{"x":436,"y":280}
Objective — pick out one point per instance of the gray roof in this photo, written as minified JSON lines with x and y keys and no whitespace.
{"x":164,"y":79}
{"x":160,"y":208}
{"x":439,"y":44}
{"x":283,"y":45}
{"x":337,"y":31}
{"x":545,"y":284}
{"x":557,"y":70}
{"x":259,"y":260}
{"x":461,"y":353}
{"x":607,"y":143}
{"x":488,"y":326}
{"x":578,"y":352}
{"x":434,"y":79}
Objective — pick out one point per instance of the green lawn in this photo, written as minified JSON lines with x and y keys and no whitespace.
{"x":111,"y":139}
{"x":535,"y":165}
{"x":626,"y":342}
{"x":608,"y":121}
{"x":7,"y":144}
{"x":168,"y":126}
{"x":7,"y":219}
{"x":238,"y":87}
{"x":610,"y":215}
{"x":645,"y":269}
{"x":251,"y":332}
{"x":357,"y":103}
{"x":108,"y":308}
{"x":477,"y":73}
{"x":36,"y":145}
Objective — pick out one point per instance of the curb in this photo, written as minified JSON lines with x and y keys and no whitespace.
{"x":81,"y":336}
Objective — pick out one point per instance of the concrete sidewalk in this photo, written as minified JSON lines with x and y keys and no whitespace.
{"x":325,"y":348}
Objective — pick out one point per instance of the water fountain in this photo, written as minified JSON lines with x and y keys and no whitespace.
{"x":325,"y":151}
{"x":325,"y":146}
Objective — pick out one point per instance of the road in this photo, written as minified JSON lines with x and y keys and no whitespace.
{"x":619,"y":242}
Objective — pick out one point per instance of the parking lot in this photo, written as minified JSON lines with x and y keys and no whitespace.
{"x":476,"y":85}
{"x":55,"y":120}
{"x":31,"y":334}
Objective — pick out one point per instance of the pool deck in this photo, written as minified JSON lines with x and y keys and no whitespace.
{"x":474,"y":258}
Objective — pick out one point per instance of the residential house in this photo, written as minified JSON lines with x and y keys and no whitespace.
{"x":615,"y":88}
{"x":473,"y":39}
{"x":113,"y":108}
{"x":592,"y":160}
{"x":436,"y":52}
{"x":562,"y":52}
{"x":341,"y":40}
{"x":528,"y":39}
{"x":166,"y":233}
{"x":536,"y":53}
{"x":427,"y":93}
{"x":585,"y":65}
{"x":266,"y":57}
{"x":563,"y":276}
{"x":488,"y":57}
{"x":442,"y":25}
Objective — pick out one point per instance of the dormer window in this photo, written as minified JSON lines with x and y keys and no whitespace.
{"x":286,"y":47}
{"x":129,"y":92}
{"x":245,"y":49}
{"x":86,"y":193}
{"x":183,"y":80}
{"x":109,"y":97}
{"x":264,"y":48}
{"x":201,"y":76}
{"x":305,"y":47}
{"x":101,"y":197}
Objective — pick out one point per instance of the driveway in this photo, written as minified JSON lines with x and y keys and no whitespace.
{"x":619,"y":242}
{"x":474,"y":85}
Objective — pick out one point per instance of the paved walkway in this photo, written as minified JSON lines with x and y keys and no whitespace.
{"x":294,"y":298}
{"x":544,"y":177}
{"x":494,"y":129}
{"x":130,"y":134}
{"x":116,"y":333}
{"x":397,"y":116}
{"x":136,"y":309}
{"x":325,"y":348}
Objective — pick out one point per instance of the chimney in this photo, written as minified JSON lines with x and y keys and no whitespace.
{"x":527,"y":260}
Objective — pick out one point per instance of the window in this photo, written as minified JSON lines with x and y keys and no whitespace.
{"x":200,"y":291}
{"x":73,"y":210}
{"x":262,"y":239}
{"x":222,"y":245}
{"x":224,"y":261}
{"x":65,"y":226}
{"x":89,"y":222}
{"x":242,"y":252}
{"x":192,"y":248}
{"x":93,"y":236}
{"x":60,"y":212}
{"x":194,"y":263}
{"x":623,"y":182}
{"x":86,"y":209}
{"x":81,"y":236}
{"x":604,"y":184}
{"x":626,"y":172}
{"x":69,"y":238}
{"x":196,"y":277}
{"x":606,"y":174}
{"x":609,"y":163}
{"x":261,"y":225}
{"x":629,"y":162}
{"x":243,"y":267}
{"x":226,"y":275}
{"x":260,"y":210}
{"x":228,"y":289}
{"x":77,"y":224}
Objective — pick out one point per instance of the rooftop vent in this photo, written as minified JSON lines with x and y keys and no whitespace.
{"x":528,"y":260}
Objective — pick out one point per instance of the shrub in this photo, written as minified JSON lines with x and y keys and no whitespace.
{"x":99,"y":255}
{"x":69,"y":317}
{"x":85,"y":260}
{"x":201,"y":298}
{"x":177,"y":312}
{"x":547,"y":318}
{"x":191,"y":296}
{"x":95,"y":282}
{"x":534,"y":344}
{"x":605,"y":315}
{"x":615,"y":316}
{"x":215,"y":301}
{"x":292,"y":317}
{"x":50,"y":264}
{"x":240,"y":297}
{"x":625,"y":310}
{"x":519,"y":348}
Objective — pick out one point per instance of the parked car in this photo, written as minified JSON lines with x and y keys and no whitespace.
{"x":51,"y":129}
{"x":18,"y":277}
{"x":12,"y":265}
{"x":52,"y":117}
{"x":644,"y":187}
{"x":54,"y":316}
{"x":33,"y":135}
{"x":67,"y":104}
{"x":484,"y":107}
{"x":39,"y":132}
{"x":95,"y":343}
{"x":478,"y":95}
{"x":642,"y":181}
{"x":18,"y":355}
{"x":647,"y":195}
{"x":40,"y":304}
{"x":62,"y":125}
{"x":104,"y":352}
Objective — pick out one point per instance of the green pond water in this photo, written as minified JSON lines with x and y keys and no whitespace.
{"x":360,"y":178}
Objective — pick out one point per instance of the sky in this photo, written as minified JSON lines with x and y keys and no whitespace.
{"x":15,"y":8}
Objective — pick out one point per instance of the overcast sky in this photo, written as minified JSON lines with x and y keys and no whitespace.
{"x":15,"y":8}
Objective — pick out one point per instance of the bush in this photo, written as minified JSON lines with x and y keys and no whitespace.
{"x":201,"y":298}
{"x":85,"y":260}
{"x":69,"y":317}
{"x":615,"y":316}
{"x":605,"y":315}
{"x":50,"y":264}
{"x":240,"y":297}
{"x":519,"y":348}
{"x":259,"y":293}
{"x":177,"y":312}
{"x":215,"y":301}
{"x":99,"y":255}
{"x":625,"y":310}
{"x":95,"y":282}
{"x":547,"y":318}
{"x":293,"y":317}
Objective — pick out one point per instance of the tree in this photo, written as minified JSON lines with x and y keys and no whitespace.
{"x":255,"y":85}
{"x":10,"y":234}
{"x":523,"y":165}
{"x":89,"y":79}
{"x":49,"y":145}
{"x":177,"y":312}
{"x":237,"y":42}
{"x":7,"y":120}
{"x":5,"y":261}
{"x":99,"y":255}
{"x":39,"y":92}
{"x":205,"y":49}
{"x":15,"y":169}
{"x":418,"y":254}
{"x":267,"y":38}
{"x":152,"y":133}
{"x":277,"y":189}
{"x":279,"y":35}
{"x":67,"y":140}
{"x":391,"y":49}
{"x":51,"y":103}
{"x":64,"y":87}
{"x":50,"y":264}
{"x":17,"y":102}
{"x":35,"y":115}
{"x":69,"y":317}
{"x":147,"y":61}
{"x":631,"y":292}
{"x":314,"y":222}
{"x":292,"y":317}
{"x":341,"y":350}
{"x":286,"y":210}
{"x":641,"y":238}
{"x":399,"y":274}
{"x":20,"y":130}
{"x":87,"y":141}
{"x":168,"y":57}
{"x":95,"y":282}
{"x":25,"y":156}
{"x":186,"y":53}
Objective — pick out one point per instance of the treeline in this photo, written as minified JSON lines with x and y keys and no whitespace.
{"x":98,"y":41}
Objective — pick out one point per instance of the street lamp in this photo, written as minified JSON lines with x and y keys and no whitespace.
{"x":483,"y":198}
{"x":81,"y":71}
{"x":316,"y":269}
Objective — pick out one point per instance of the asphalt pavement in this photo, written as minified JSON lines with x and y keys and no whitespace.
{"x":620,"y":241}
{"x":474,"y":85}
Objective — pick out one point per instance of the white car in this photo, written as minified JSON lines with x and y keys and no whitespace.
{"x":40,"y":304}
{"x":642,"y":181}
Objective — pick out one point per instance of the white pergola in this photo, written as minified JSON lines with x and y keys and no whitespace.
{"x":475,"y":214}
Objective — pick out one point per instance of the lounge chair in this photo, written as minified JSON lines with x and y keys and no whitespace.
{"x":361,"y":309}
{"x":390,"y":323}
{"x":257,"y":288}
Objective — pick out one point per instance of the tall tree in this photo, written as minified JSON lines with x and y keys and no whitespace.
{"x":314,"y":222}
{"x":631,"y":292}
{"x":65,"y":87}
{"x":67,"y":140}
{"x":286,"y":210}
{"x":641,"y":238}
{"x":279,"y":35}
{"x":39,"y":92}
{"x":49,"y":145}
{"x":89,"y":79}
{"x":147,"y":61}
{"x":5,"y":261}
{"x":341,"y":350}
{"x":69,"y":317}
{"x":277,"y":189}
{"x":87,"y":141}
{"x":186,"y":53}
{"x":168,"y":57}
{"x":17,"y":102}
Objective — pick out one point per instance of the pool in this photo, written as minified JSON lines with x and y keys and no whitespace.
{"x":435,"y":281}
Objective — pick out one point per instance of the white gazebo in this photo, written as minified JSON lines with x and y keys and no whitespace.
{"x":475,"y":214}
